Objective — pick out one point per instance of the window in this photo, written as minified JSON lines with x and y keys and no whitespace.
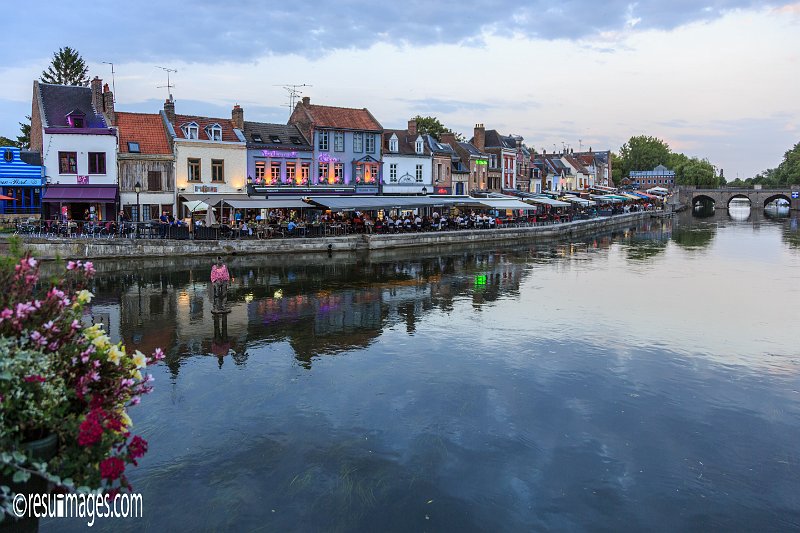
{"x":322,"y":138}
{"x":275,"y":139}
{"x":77,"y":122}
{"x":261,"y":171}
{"x":393,"y":143}
{"x":370,"y":143}
{"x":154,"y":180}
{"x":97,"y":162}
{"x":217,"y":170}
{"x":393,"y":173}
{"x":190,"y":130}
{"x":305,"y":172}
{"x":295,"y":140}
{"x":418,"y":175}
{"x":275,"y":173}
{"x":438,"y":172}
{"x":290,"y":173}
{"x":257,"y":138}
{"x":419,"y":145}
{"x":133,"y":147}
{"x":338,"y":141}
{"x":194,"y":169}
{"x":67,"y":162}
{"x":322,"y":176}
{"x":358,"y":142}
{"x":338,"y":173}
{"x":214,"y":133}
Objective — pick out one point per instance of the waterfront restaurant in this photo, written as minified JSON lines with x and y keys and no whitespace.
{"x":21,"y":179}
{"x":279,"y":159}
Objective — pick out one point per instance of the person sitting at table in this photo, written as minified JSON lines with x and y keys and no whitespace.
{"x":163,"y":224}
{"x":407,"y":223}
{"x":290,"y":227}
{"x":418,"y":222}
{"x":491,"y":222}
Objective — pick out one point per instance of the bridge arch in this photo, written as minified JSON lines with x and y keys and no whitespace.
{"x":702,"y":198}
{"x":777,"y":196}
{"x":739,"y":195}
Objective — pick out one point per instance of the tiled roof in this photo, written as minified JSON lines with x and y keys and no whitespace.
{"x":60,"y":100}
{"x":406,"y":144}
{"x":470,"y":148}
{"x":495,"y":140}
{"x":436,"y":147}
{"x":576,"y":164}
{"x":287,"y":136}
{"x":323,"y":116}
{"x":144,"y":128}
{"x":227,"y":127}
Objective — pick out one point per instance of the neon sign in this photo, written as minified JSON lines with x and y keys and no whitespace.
{"x":481,"y":162}
{"x":278,"y":153}
{"x":327,"y":158}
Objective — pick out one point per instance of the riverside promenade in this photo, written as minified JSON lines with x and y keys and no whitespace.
{"x":70,"y":248}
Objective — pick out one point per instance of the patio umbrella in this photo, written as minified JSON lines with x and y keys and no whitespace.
{"x":4,"y":197}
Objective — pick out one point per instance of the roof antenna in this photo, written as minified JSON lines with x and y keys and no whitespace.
{"x":168,"y":85}
{"x":294,"y":93}
{"x":113,"y":84}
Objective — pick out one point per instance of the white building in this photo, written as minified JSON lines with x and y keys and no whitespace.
{"x":407,"y":162}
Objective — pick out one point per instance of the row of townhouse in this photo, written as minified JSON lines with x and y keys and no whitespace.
{"x":97,"y":160}
{"x":570,"y":171}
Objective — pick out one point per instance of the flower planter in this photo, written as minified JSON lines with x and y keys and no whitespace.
{"x":41,"y":450}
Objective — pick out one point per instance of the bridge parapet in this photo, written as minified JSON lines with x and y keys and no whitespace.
{"x":687,"y":195}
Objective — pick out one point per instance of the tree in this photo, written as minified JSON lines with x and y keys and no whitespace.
{"x":431,"y":126}
{"x":24,"y":137}
{"x":67,"y":68}
{"x":643,"y":152}
{"x":5,"y":141}
{"x":788,"y":172}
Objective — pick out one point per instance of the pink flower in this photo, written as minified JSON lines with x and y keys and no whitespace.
{"x":137,"y":447}
{"x":75,"y":325}
{"x":90,"y":430}
{"x":158,"y":354}
{"x":71,"y":265}
{"x":6,"y":314}
{"x":36,"y":378}
{"x":32,"y":262}
{"x":112,"y":468}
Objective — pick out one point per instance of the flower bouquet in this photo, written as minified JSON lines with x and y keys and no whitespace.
{"x":62,"y":380}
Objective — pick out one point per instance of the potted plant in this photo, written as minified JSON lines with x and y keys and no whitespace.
{"x":64,"y":388}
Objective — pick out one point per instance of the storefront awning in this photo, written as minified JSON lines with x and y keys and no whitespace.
{"x":351,"y":203}
{"x":80,"y":193}
{"x":277,"y":203}
{"x":499,"y":203}
{"x":212,"y":199}
{"x":547,"y":201}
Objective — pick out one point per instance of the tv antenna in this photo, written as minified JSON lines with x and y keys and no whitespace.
{"x":580,"y":145}
{"x":169,"y":86}
{"x":294,"y":93}
{"x":113,"y":85}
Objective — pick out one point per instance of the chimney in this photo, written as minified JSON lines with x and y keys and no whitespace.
{"x":237,"y":117}
{"x":448,"y":138}
{"x":108,"y":106}
{"x":479,"y":138}
{"x":169,"y":109}
{"x":97,"y":94}
{"x":306,"y":100}
{"x":412,"y":127}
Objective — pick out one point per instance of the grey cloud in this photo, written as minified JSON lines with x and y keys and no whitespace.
{"x":211,"y":31}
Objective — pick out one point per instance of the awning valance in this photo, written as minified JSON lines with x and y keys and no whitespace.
{"x":277,"y":203}
{"x":80,"y":193}
{"x":501,"y":203}
{"x":351,"y":203}
{"x":212,"y":199}
{"x":547,"y":201}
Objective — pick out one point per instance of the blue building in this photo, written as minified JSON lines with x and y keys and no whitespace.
{"x":21,"y":178}
{"x":346,"y":148}
{"x":660,"y":176}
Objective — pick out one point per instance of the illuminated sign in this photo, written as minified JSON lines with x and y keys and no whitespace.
{"x":327,"y":158}
{"x":83,"y":180}
{"x":21,"y":182}
{"x":205,"y":188}
{"x":481,"y":162}
{"x":278,"y":153}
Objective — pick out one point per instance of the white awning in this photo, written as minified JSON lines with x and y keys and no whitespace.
{"x":196,"y":205}
{"x":351,"y":203}
{"x":269,"y":203}
{"x":606,"y":199}
{"x":581,"y":201}
{"x":502,"y":203}
{"x":547,"y":201}
{"x":212,"y":199}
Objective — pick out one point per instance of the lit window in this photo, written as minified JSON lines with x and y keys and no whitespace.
{"x":322,"y":176}
{"x":275,"y":173}
{"x":290,"y":173}
{"x":67,"y":162}
{"x":338,"y":173}
{"x":261,"y":171}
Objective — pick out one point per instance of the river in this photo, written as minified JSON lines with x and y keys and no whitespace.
{"x":642,"y":380}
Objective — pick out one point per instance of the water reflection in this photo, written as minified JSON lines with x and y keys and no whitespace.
{"x":620,"y":382}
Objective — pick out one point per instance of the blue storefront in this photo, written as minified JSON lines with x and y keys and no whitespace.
{"x":21,"y":180}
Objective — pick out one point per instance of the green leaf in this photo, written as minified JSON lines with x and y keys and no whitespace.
{"x":20,"y":476}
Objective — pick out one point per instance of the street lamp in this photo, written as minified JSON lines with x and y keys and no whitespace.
{"x":424,"y":190}
{"x":138,"y":189}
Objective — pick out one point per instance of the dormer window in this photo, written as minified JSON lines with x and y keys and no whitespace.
{"x":257,"y":138}
{"x":77,"y":122}
{"x":76,"y":119}
{"x":419,"y":146}
{"x":191,"y":130}
{"x":214,"y":132}
{"x":275,"y":139}
{"x":295,"y":140}
{"x":393,"y":143}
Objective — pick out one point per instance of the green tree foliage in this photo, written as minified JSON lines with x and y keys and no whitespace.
{"x":643,"y":152}
{"x":785,"y":175}
{"x":432,"y":126}
{"x":616,"y":169}
{"x":24,"y":137}
{"x":67,"y":68}
{"x":693,"y":171}
{"x":5,"y":141}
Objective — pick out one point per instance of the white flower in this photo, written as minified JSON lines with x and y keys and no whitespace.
{"x":139,"y":360}
{"x":85,"y":296}
{"x":115,"y":355}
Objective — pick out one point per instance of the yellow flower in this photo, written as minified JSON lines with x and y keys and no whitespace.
{"x":126,"y":420}
{"x":101,"y":342}
{"x":137,"y":375}
{"x":139,"y":359}
{"x":115,"y":355}
{"x":93,"y":331}
{"x":85,"y":296}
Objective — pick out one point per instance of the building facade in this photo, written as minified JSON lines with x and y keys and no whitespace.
{"x":22,"y":180}
{"x":502,"y":152}
{"x":407,"y":162}
{"x":78,"y":151}
{"x":442,"y":159}
{"x":660,"y":176}
{"x":346,"y":148}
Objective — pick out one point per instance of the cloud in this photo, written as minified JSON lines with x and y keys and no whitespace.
{"x":213,"y":31}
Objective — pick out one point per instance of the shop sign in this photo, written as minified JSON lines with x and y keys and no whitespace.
{"x":795,"y":194}
{"x":20,"y":182}
{"x":482,"y":162}
{"x":205,"y":188}
{"x":361,"y":189}
{"x":328,"y":158}
{"x":83,"y":180}
{"x":443,"y":190}
{"x":278,"y":153}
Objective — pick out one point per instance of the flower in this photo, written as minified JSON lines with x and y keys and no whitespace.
{"x":90,"y":429}
{"x":137,"y":447}
{"x":115,"y":354}
{"x":34,"y":379}
{"x":84,"y":297}
{"x":139,"y":359}
{"x":111,"y":468}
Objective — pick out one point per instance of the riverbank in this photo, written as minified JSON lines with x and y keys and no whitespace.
{"x":49,"y":249}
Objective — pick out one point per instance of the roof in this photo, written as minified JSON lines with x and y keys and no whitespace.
{"x":577,"y":165}
{"x":437,"y":147}
{"x":60,"y":100}
{"x":324,"y":116}
{"x":228,"y":135}
{"x":494,"y":140}
{"x":470,"y":148}
{"x":144,"y":128}
{"x":406,"y":143}
{"x":274,"y":136}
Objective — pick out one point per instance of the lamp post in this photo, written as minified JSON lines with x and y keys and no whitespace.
{"x":424,"y":190}
{"x":138,"y":188}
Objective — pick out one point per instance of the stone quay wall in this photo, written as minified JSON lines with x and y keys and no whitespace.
{"x":138,"y":248}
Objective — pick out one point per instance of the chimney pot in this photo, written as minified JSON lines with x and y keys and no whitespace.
{"x":169,"y":109}
{"x":412,"y":126}
{"x":306,"y":100}
{"x":237,"y":117}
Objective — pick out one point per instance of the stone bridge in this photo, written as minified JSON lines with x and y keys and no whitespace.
{"x":759,"y":198}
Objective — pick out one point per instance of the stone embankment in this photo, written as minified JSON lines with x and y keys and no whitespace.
{"x":127,"y":248}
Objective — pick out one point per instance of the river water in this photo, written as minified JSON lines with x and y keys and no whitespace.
{"x":641,"y":380}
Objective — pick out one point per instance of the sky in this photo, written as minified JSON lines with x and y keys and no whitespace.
{"x":716,"y":79}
